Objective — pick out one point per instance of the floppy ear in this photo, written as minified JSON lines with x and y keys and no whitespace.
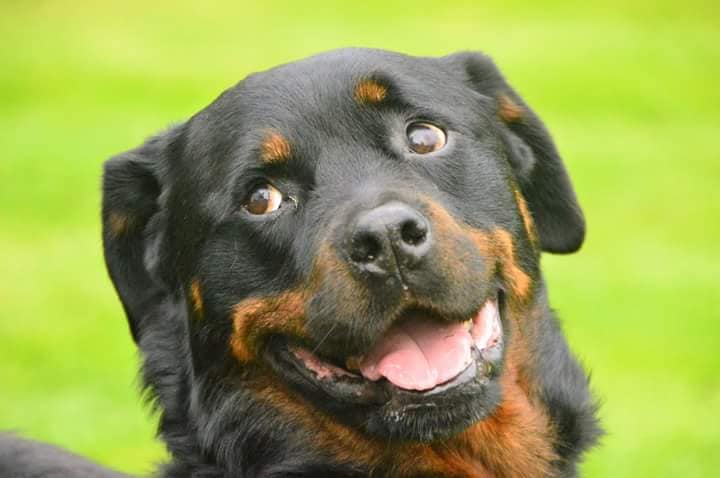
{"x":133,"y":230}
{"x":534,"y":158}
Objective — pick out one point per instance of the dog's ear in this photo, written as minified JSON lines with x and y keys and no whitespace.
{"x":133,"y":228}
{"x":533,"y":156}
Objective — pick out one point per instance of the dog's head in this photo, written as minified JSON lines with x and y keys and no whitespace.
{"x":355,"y":236}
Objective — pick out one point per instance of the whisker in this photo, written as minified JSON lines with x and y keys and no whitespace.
{"x":325,"y":337}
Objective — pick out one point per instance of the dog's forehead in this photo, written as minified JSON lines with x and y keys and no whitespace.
{"x":338,"y":84}
{"x":315,"y":113}
{"x":337,"y":70}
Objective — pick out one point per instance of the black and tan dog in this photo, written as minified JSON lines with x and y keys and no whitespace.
{"x":333,"y":270}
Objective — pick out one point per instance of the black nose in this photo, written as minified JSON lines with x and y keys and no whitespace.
{"x":390,"y":238}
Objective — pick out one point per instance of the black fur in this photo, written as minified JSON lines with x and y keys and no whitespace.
{"x":172,"y":214}
{"x":30,"y":459}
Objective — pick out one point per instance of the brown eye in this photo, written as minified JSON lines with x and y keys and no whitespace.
{"x":424,"y":138}
{"x":263,"y":200}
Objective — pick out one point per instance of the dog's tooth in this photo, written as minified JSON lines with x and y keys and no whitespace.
{"x":468,"y":324}
{"x":497,"y":324}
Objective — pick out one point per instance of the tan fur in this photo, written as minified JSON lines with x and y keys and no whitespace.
{"x":516,"y":440}
{"x":258,"y":316}
{"x":196,"y":298}
{"x":370,"y":91}
{"x":496,"y":246}
{"x":517,"y":278}
{"x":275,"y":148}
{"x":119,"y":223}
{"x":509,"y":111}
{"x":526,"y":217}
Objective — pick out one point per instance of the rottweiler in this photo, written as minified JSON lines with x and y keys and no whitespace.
{"x":334,"y":270}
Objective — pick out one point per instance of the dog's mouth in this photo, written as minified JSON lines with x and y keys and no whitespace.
{"x":421,"y":355}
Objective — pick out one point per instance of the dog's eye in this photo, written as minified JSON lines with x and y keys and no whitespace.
{"x":424,"y":138}
{"x":263,"y":200}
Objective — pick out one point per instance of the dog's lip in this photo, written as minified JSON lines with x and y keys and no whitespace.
{"x":341,"y":383}
{"x":350,"y":388}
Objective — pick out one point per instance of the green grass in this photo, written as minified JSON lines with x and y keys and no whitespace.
{"x":629,"y":90}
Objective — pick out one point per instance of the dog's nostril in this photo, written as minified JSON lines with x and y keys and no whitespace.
{"x":365,"y":248}
{"x":413,"y":232}
{"x":388,"y":240}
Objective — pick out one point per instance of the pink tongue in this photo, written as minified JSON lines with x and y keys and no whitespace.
{"x":419,"y":354}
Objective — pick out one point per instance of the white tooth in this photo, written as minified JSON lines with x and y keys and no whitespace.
{"x":485,"y":325}
{"x":469,"y":324}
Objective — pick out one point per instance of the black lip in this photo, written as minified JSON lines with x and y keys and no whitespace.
{"x":358,"y":391}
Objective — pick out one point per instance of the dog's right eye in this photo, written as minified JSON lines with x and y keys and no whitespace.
{"x":264,"y":199}
{"x":424,"y":138}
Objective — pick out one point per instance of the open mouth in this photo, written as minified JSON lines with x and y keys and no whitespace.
{"x":419,"y":355}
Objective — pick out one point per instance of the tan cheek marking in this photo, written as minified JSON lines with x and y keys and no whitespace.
{"x":526,"y":217}
{"x":370,"y":91}
{"x":275,"y":148}
{"x":326,"y":264}
{"x":258,"y":316}
{"x":255,"y":317}
{"x":441,"y":219}
{"x":519,"y":279}
{"x":449,"y":233}
{"x":333,"y":273}
{"x":509,"y":111}
{"x":119,"y":223}
{"x":497,"y":245}
{"x":196,"y":298}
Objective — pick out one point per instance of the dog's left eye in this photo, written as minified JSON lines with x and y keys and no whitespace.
{"x":263,"y":199}
{"x":424,"y":138}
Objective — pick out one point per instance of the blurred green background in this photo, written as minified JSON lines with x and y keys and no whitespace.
{"x":630,"y":91}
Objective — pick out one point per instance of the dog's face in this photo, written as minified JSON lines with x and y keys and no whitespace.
{"x":355,"y":235}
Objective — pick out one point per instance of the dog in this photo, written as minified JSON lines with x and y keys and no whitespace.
{"x":334,"y":270}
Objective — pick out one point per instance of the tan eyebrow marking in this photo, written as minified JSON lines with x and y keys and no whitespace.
{"x":370,"y":91}
{"x":275,"y":148}
{"x":509,"y":111}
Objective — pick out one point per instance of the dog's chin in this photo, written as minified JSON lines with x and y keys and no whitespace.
{"x":379,"y":397}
